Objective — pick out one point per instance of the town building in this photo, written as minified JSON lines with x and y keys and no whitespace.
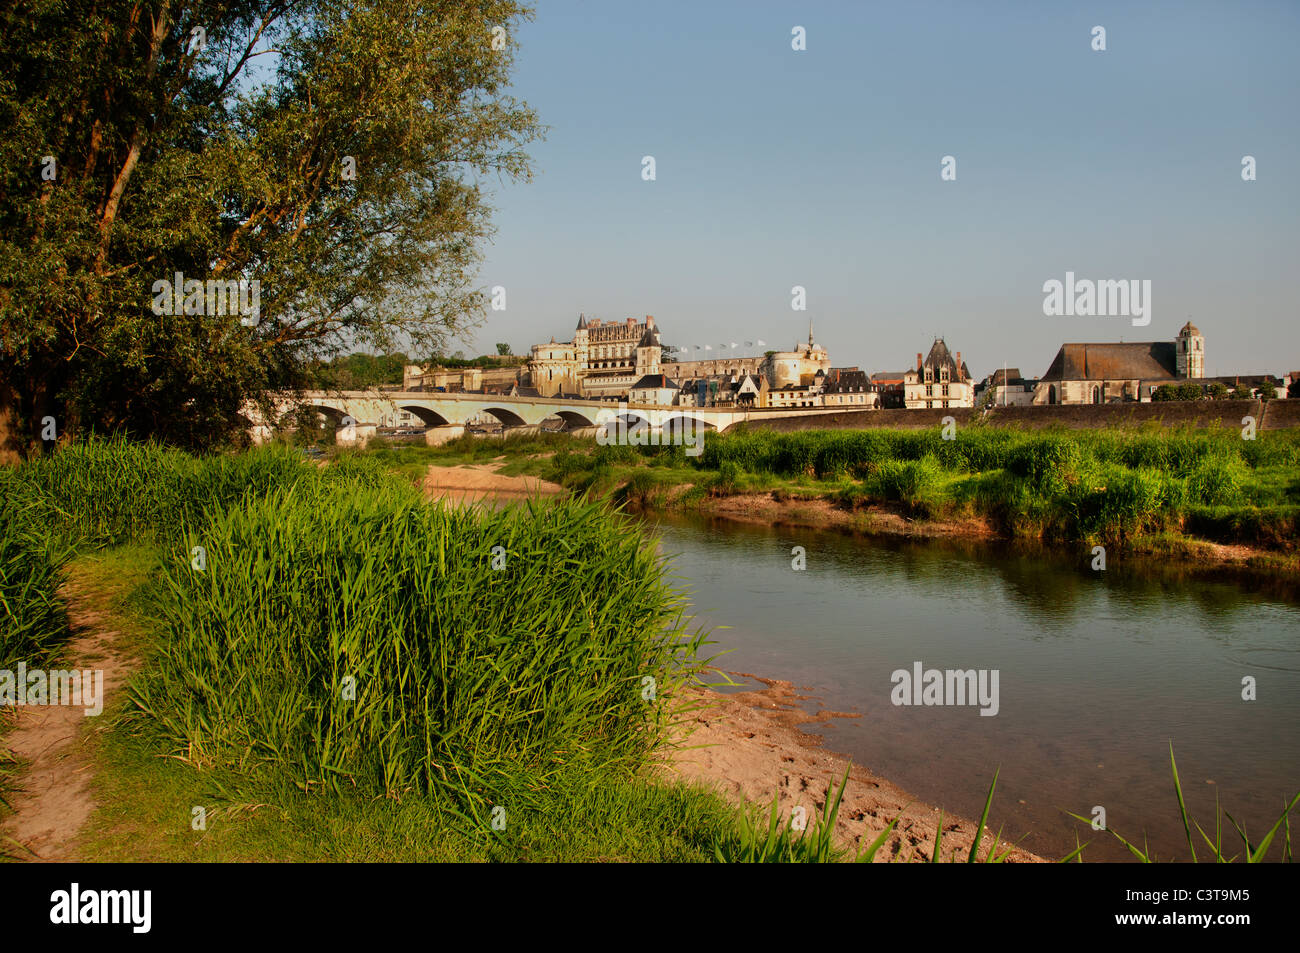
{"x":939,"y":380}
{"x":654,"y":389}
{"x":849,"y":387}
{"x":888,"y":386}
{"x":1114,"y":372}
{"x":1005,"y":387}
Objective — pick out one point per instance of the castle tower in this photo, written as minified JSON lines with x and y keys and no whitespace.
{"x":1191,"y":352}
{"x":648,"y":351}
{"x":580,"y":345}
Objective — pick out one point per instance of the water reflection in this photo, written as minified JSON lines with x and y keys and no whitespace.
{"x":1099,"y":671}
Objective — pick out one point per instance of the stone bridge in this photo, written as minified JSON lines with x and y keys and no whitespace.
{"x":359,"y":413}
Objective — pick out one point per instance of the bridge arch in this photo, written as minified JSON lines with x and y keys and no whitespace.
{"x":685,"y":422}
{"x":429,"y":418}
{"x":574,"y":420}
{"x":508,"y":418}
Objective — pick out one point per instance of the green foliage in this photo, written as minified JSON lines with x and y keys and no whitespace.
{"x":358,"y":371}
{"x":1185,"y":391}
{"x":1073,"y":484}
{"x":33,"y":621}
{"x":170,"y":160}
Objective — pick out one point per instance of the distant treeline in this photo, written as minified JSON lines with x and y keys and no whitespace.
{"x":360,"y":371}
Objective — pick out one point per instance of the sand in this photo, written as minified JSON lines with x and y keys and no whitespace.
{"x":754,"y":745}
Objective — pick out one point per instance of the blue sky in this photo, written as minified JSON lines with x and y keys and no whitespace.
{"x":821,"y":168}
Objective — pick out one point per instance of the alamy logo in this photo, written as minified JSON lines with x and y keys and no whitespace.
{"x":1127,"y":298}
{"x":947,"y":687}
{"x":216,"y":297}
{"x":36,"y":686}
{"x":133,"y":907}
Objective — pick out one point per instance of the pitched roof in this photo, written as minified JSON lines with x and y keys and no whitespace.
{"x":649,"y":339}
{"x":659,"y":381}
{"x":582,"y":322}
{"x":1147,"y":360}
{"x":846,"y":382}
{"x":940,"y":355}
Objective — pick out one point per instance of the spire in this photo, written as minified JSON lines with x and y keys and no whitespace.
{"x":810,"y":337}
{"x":582,"y":322}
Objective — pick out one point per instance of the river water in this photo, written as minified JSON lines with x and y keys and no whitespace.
{"x":1098,"y":672}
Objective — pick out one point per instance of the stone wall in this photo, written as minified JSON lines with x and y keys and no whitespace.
{"x":1227,"y":414}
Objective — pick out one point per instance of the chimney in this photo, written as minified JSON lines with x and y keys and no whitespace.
{"x":631,"y":322}
{"x":959,"y":363}
{"x":919,"y":360}
{"x":649,"y":320}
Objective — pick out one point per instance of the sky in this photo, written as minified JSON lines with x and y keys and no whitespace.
{"x":821,"y":168}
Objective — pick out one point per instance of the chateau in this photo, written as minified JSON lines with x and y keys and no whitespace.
{"x":624,"y":360}
{"x":938,"y":380}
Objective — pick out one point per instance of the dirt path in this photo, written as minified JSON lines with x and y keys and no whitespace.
{"x":52,"y":800}
{"x":753,"y":745}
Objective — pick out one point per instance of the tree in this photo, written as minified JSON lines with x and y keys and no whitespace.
{"x":503,"y":349}
{"x":1217,"y":391}
{"x":1165,"y":392}
{"x":1266,"y":390}
{"x":334,"y":182}
{"x":1190,"y":391}
{"x":1242,"y":393}
{"x":1294,"y":390}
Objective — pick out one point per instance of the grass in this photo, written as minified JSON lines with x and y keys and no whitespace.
{"x":1251,"y":851}
{"x":470,"y":688}
{"x":352,"y":675}
{"x":1115,"y":487}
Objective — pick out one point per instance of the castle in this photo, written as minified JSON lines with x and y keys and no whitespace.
{"x":613,"y":359}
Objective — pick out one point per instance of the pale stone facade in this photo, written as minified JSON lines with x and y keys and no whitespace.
{"x":1113,"y":372}
{"x":606,"y":360}
{"x":939,"y":380}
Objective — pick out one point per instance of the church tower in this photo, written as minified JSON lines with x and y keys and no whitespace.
{"x":1191,"y":352}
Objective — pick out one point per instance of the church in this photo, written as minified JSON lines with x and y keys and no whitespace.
{"x":1111,"y":373}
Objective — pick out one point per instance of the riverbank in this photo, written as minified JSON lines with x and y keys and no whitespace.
{"x":761,"y":744}
{"x":553,"y":753}
{"x":756,"y":745}
{"x":648,"y":489}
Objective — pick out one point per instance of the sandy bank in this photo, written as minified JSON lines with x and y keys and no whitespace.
{"x":474,"y":482}
{"x":757,"y":744}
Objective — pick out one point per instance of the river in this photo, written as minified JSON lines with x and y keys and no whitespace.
{"x":1098,"y":672}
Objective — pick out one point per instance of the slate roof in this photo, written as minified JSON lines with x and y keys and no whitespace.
{"x":940,"y":355}
{"x":582,"y":322}
{"x":649,"y":339}
{"x":658,"y":381}
{"x":845,"y":382}
{"x":1148,"y":360}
